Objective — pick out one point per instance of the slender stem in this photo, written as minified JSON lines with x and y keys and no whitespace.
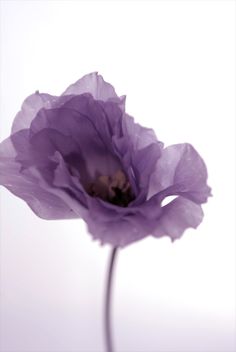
{"x":108,"y":297}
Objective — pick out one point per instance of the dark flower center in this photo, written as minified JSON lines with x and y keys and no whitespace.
{"x":114,"y":189}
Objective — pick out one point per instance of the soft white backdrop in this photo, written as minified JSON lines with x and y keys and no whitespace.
{"x":175,"y":61}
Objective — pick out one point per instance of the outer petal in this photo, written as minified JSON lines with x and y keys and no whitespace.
{"x":140,"y":136}
{"x":94,"y":84}
{"x":91,"y":83}
{"x":83,"y":121}
{"x":178,"y":216}
{"x":143,"y":163}
{"x":30,"y":108}
{"x":69,"y":184}
{"x":180,"y":171}
{"x":27,"y":186}
{"x":139,"y":150}
{"x":120,"y":232}
{"x":39,"y":151}
{"x":121,"y":226}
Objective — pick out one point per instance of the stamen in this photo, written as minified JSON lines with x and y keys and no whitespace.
{"x":114,"y":189}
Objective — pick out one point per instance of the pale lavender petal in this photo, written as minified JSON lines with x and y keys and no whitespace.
{"x":122,"y":226}
{"x":94,"y":84}
{"x":82,"y":122}
{"x":39,"y":150}
{"x":73,"y":203}
{"x":30,"y":108}
{"x":139,"y":135}
{"x":26,"y":186}
{"x":65,"y":181}
{"x":120,"y":232}
{"x":178,"y":215}
{"x":182,"y":171}
{"x":139,"y":150}
{"x":143,"y":164}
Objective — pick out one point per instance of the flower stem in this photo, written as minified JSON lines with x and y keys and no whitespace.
{"x":107,"y":315}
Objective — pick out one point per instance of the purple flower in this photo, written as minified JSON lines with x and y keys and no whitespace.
{"x":82,"y":155}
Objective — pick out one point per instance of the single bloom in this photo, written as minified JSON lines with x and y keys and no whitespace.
{"x":80,"y":155}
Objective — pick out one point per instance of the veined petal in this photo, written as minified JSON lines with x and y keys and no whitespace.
{"x":94,"y":84}
{"x":119,"y":233}
{"x":139,"y":150}
{"x":30,"y":107}
{"x":27,"y":187}
{"x":180,"y":171}
{"x":177,"y":216}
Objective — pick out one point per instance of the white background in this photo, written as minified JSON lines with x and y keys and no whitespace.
{"x":175,"y":61}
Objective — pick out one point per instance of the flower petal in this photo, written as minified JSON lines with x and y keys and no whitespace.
{"x":91,"y":83}
{"x":121,"y":226}
{"x":26,"y":186}
{"x":38,"y":151}
{"x":83,"y":121}
{"x":139,"y":150}
{"x":143,"y":164}
{"x":65,"y":181}
{"x":140,"y":136}
{"x":94,"y":84}
{"x":177,"y":216}
{"x":30,"y":107}
{"x":180,"y":171}
{"x":119,"y":232}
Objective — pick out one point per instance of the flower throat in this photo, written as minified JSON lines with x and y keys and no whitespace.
{"x":114,"y":189}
